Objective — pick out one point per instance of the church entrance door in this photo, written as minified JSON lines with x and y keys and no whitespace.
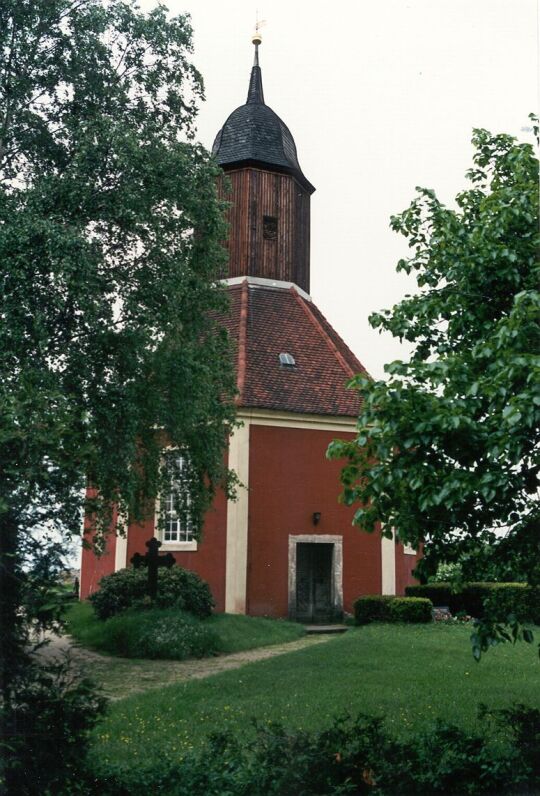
{"x":314,"y":599}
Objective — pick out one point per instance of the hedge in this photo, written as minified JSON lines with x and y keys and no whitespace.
{"x":383,"y":608}
{"x":410,"y":609}
{"x":358,"y":756}
{"x":502,"y":599}
{"x":177,"y":588}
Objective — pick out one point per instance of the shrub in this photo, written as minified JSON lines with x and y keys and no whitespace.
{"x":439,"y":594}
{"x":45,"y":732}
{"x":410,"y":609}
{"x":534,"y":604}
{"x":519,"y":599}
{"x":523,"y":723}
{"x":500,"y":599}
{"x":371,"y":608}
{"x":177,"y":587}
{"x":355,"y":756}
{"x":385,"y":608}
{"x":158,"y":633}
{"x":221,"y":633}
{"x":184,"y":589}
{"x":118,"y":592}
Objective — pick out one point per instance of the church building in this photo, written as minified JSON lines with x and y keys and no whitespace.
{"x":286,"y":547}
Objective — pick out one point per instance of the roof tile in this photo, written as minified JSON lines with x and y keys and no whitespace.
{"x":267,"y":321}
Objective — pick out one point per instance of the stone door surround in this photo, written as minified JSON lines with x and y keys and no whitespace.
{"x":337,"y":567}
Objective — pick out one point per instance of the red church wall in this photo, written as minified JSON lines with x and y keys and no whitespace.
{"x":405,"y":563}
{"x":289,"y":479}
{"x":94,"y":567}
{"x":209,"y":558}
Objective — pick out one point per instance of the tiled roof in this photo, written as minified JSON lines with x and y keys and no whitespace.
{"x":266,"y":321}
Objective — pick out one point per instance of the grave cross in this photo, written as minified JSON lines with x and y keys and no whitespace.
{"x":153,"y":560}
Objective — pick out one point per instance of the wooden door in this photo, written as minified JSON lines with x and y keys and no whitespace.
{"x":314,"y":599}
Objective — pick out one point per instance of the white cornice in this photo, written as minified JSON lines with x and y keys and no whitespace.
{"x":257,"y":281}
{"x":270,"y":417}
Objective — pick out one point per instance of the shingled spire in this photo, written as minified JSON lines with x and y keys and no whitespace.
{"x":254,"y":133}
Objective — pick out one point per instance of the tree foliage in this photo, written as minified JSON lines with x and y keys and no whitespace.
{"x":447,"y":447}
{"x":498,"y":562}
{"x":110,"y":255}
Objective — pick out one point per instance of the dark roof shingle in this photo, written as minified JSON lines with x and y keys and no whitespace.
{"x":254,"y":134}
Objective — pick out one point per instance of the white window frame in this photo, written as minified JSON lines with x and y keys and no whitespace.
{"x":172,"y":545}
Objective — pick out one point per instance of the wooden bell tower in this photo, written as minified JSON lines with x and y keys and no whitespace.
{"x":269,"y":217}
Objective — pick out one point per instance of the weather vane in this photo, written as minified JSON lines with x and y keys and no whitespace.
{"x":257,"y":38}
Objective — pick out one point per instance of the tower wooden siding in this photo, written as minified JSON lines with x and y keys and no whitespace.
{"x":256,"y":193}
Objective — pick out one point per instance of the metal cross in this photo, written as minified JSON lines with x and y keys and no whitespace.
{"x":153,"y":560}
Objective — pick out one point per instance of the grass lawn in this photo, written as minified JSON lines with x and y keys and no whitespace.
{"x":229,"y":633}
{"x":410,"y":674}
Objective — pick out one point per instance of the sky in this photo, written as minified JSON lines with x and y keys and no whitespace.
{"x":381,"y":96}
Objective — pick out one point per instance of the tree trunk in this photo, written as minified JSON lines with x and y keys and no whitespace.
{"x":12,"y":650}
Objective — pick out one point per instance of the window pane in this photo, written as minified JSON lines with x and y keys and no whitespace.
{"x":178,"y":524}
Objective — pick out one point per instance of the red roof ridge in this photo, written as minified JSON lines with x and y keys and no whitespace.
{"x":357,"y":365}
{"x":333,"y":348}
{"x":242,"y":348}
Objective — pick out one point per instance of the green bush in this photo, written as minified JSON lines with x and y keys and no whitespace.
{"x":371,"y":608}
{"x":45,"y":732}
{"x":410,"y":609}
{"x":385,"y":608}
{"x":184,"y":589}
{"x":356,"y":756}
{"x":519,"y":599}
{"x":177,"y":587}
{"x":500,"y":599}
{"x":158,"y":633}
{"x":439,"y":594}
{"x":534,"y":604}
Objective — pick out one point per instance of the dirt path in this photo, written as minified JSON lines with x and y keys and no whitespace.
{"x":121,"y":677}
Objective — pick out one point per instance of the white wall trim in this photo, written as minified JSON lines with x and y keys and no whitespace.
{"x":388,"y":564}
{"x":259,"y":281}
{"x":337,"y":567}
{"x":267,"y":417}
{"x":178,"y":547}
{"x":120,"y":552}
{"x":237,"y":524}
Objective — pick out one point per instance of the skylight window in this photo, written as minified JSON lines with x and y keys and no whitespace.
{"x":287,"y":360}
